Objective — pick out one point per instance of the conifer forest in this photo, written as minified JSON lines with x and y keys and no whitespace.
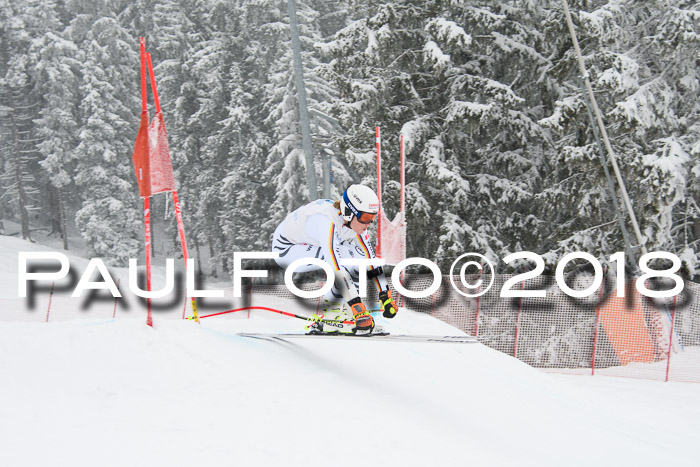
{"x":501,"y":152}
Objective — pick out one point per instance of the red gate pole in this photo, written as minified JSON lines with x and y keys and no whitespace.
{"x":144,"y":95}
{"x":250,"y":296}
{"x":403,"y":180}
{"x":478,"y":290}
{"x":146,"y":199}
{"x":379,"y":194}
{"x":114,"y":311}
{"x":176,"y":199}
{"x":48,"y":310}
{"x":183,"y":244}
{"x":403,"y":205}
{"x":597,"y":325}
{"x":517,"y":322}
{"x":147,"y":223}
{"x":670,"y":339}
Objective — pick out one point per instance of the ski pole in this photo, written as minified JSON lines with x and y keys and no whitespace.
{"x":285,"y":313}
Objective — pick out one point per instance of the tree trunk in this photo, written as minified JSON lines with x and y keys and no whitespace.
{"x":21,"y":193}
{"x":212,"y":260}
{"x":199,"y":255}
{"x":62,"y":218}
{"x":24,"y":213}
{"x":53,"y":210}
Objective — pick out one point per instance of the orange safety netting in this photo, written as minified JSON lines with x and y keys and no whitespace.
{"x":623,"y":320}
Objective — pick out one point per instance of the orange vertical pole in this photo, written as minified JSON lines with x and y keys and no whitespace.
{"x":402,"y":205}
{"x":597,"y":325}
{"x":670,"y":339}
{"x":114,"y":311}
{"x":379,"y":194}
{"x":176,"y":198}
{"x":183,"y":244}
{"x":403,"y":181}
{"x":48,"y":310}
{"x":156,"y":99}
{"x":146,"y":200}
{"x":517,"y":322}
{"x":478,"y":302}
{"x":144,"y":98}
{"x":147,"y":223}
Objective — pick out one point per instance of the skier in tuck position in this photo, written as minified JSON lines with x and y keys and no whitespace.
{"x":334,"y":231}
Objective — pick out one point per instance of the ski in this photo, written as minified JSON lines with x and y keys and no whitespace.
{"x":377,"y":331}
{"x":370,"y":336}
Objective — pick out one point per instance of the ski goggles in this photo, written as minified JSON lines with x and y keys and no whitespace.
{"x":365,"y":217}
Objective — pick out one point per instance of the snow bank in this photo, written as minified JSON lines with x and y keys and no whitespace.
{"x":117,"y":392}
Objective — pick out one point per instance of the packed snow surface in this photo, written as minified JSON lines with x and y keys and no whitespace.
{"x":115,"y":392}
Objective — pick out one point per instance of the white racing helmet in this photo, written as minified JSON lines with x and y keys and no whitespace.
{"x":359,"y":201}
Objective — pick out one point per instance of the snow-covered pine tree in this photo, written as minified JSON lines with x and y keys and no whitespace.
{"x":18,"y":149}
{"x":443,"y":75}
{"x":286,"y":162}
{"x":671,"y":75}
{"x":19,"y":185}
{"x":643,"y":83}
{"x":110,"y":217}
{"x":245,"y":192}
{"x":202,"y":148}
{"x":56,"y":70}
{"x":375,"y":60}
{"x":463,"y":82}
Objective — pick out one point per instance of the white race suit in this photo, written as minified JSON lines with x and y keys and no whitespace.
{"x":317,"y":230}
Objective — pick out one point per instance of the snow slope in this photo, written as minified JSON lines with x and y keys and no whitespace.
{"x":114,"y":392}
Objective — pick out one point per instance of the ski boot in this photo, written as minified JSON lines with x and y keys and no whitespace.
{"x":364,"y":323}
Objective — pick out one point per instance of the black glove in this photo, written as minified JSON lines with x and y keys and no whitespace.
{"x":388,"y":303}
